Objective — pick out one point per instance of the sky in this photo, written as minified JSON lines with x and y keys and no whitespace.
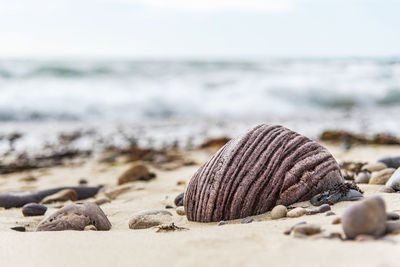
{"x":199,"y":28}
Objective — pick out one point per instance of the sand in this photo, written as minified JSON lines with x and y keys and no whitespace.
{"x":261,"y":243}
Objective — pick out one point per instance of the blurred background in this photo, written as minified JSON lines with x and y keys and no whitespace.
{"x":179,"y":71}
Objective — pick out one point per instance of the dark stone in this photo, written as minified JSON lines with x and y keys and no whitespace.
{"x":391,"y":216}
{"x":33,"y":209}
{"x":341,"y":192}
{"x":83,"y":181}
{"x":324,"y":207}
{"x":18,"y":199}
{"x":179,"y":199}
{"x":169,"y":207}
{"x":222,"y":223}
{"x":247,"y":220}
{"x":391,"y":162}
{"x":330,"y":213}
{"x":18,"y":228}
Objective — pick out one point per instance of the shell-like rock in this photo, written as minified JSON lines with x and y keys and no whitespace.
{"x":76,"y":216}
{"x":267,"y":166}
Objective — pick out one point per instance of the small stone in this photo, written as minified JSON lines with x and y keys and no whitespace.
{"x":334,"y":235}
{"x":33,"y":209}
{"x":393,"y":227}
{"x":179,"y":199}
{"x":222,"y":223}
{"x":365,"y":218}
{"x":363,"y":177}
{"x":76,"y":216}
{"x":137,"y":172}
{"x":247,"y":220}
{"x":83,"y":181}
{"x":330,"y":213}
{"x":312,"y":212}
{"x":391,"y":216}
{"x":169,"y":207}
{"x":113,"y":193}
{"x":296,"y":212}
{"x":394,"y":181}
{"x":362,"y":238}
{"x":90,"y":228}
{"x":180,"y":211}
{"x":391,"y":162}
{"x":337,"y":220}
{"x":387,"y":190}
{"x":374,"y":167}
{"x":149,"y":218}
{"x":18,"y":228}
{"x":307,"y":229}
{"x":180,"y":182}
{"x":278,"y":212}
{"x":102,"y":200}
{"x":61,"y":196}
{"x":381,"y":177}
{"x":288,"y":231}
{"x":324,"y":207}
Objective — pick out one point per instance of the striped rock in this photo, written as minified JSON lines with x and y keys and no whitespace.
{"x":267,"y":166}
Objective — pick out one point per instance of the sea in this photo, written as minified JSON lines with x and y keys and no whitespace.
{"x":184,"y":102}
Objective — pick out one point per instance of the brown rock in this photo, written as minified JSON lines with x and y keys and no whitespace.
{"x":76,"y":216}
{"x":267,"y":166}
{"x":296,"y":212}
{"x":381,"y":177}
{"x":337,"y":220}
{"x":149,"y":218}
{"x":180,"y":211}
{"x":137,"y":172}
{"x":307,"y":229}
{"x":374,"y":167}
{"x":61,"y":196}
{"x":278,"y":212}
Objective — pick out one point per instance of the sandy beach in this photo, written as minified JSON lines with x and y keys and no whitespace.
{"x":260,"y":243}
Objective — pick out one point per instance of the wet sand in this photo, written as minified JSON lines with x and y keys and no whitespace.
{"x":261,"y":242}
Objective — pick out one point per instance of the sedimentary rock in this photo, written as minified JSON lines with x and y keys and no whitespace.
{"x":267,"y":166}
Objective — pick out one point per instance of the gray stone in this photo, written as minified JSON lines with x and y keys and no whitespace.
{"x":394,"y":181}
{"x":149,"y":218}
{"x":365,"y":218}
{"x":363,"y":177}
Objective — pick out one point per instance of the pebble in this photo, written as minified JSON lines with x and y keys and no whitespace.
{"x":307,"y":229}
{"x":90,"y":228}
{"x":381,"y":177}
{"x":113,"y":193}
{"x":337,"y":220}
{"x":18,"y":228}
{"x":367,"y":217}
{"x":391,"y":162}
{"x":179,"y":199}
{"x":363,"y":177}
{"x":180,"y":211}
{"x":149,"y":218}
{"x":137,"y":172}
{"x":83,"y":181}
{"x":278,"y":212}
{"x":391,"y":216}
{"x":61,"y":196}
{"x":393,"y":227}
{"x":288,"y":231}
{"x":296,"y":212}
{"x":76,"y":216}
{"x":222,"y":223}
{"x":374,"y":167}
{"x":33,"y":209}
{"x":362,"y":238}
{"x":102,"y":200}
{"x":330,"y":213}
{"x":387,"y":190}
{"x":323,"y":208}
{"x":247,"y":220}
{"x":394,"y":181}
{"x":169,"y":207}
